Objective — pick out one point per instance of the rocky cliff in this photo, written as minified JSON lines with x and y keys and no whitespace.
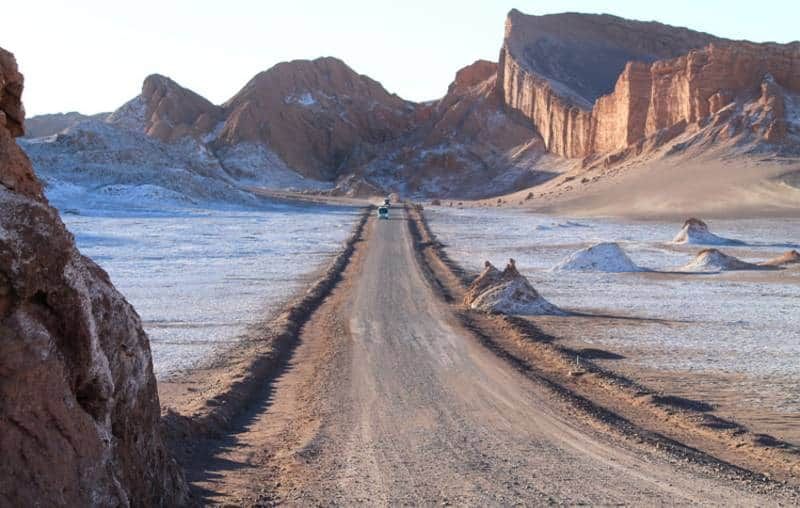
{"x":463,"y":144}
{"x":79,"y":410}
{"x":667,"y":96}
{"x":593,"y":88}
{"x":553,"y":68}
{"x":593,"y":85}
{"x":167,"y":111}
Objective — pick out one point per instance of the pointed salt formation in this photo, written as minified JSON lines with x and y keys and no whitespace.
{"x":488,"y":277}
{"x":601,"y":257}
{"x":712,"y":260}
{"x":507,"y":292}
{"x":696,"y":232}
{"x":787,"y":258}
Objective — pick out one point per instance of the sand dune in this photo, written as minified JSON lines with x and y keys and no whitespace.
{"x":719,"y":185}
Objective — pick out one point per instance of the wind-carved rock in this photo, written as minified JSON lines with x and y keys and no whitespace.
{"x":593,"y":85}
{"x":173,"y":112}
{"x":507,"y":292}
{"x":79,"y":409}
{"x":465,"y":143}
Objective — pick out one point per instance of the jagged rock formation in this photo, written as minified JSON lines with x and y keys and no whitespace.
{"x":594,"y":88}
{"x":713,"y":260}
{"x":696,"y":232}
{"x":487,"y":278}
{"x":305,"y":121}
{"x":791,"y":257}
{"x":464,"y":144}
{"x":595,"y":85}
{"x":173,"y":112}
{"x":507,"y":292}
{"x":79,"y":410}
{"x":47,"y":125}
{"x":15,"y":172}
{"x":600,"y":257}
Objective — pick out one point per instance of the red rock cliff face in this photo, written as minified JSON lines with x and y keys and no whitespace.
{"x":462,"y":142}
{"x":15,"y":168}
{"x":671,"y":94}
{"x":597,"y":84}
{"x":563,"y":125}
{"x":79,"y":411}
{"x":553,"y":68}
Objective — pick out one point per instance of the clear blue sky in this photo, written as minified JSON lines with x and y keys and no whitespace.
{"x":92,"y":55}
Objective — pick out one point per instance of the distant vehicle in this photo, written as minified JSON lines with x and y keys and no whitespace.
{"x":386,"y":202}
{"x":383,"y":212}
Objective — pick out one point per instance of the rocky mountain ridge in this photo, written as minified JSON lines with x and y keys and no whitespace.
{"x":568,"y":89}
{"x":675,"y":78}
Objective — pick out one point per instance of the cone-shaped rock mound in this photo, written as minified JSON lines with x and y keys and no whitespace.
{"x":696,"y":232}
{"x":787,"y":258}
{"x":507,"y":292}
{"x":600,"y":257}
{"x":712,"y":260}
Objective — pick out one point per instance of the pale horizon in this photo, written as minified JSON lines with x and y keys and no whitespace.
{"x":104,"y":52}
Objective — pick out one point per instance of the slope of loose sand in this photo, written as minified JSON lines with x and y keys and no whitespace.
{"x":673,"y":187}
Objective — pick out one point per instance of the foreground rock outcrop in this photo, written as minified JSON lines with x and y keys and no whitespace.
{"x":464,"y":144}
{"x":507,"y":292}
{"x":79,"y":409}
{"x":553,"y":68}
{"x":172,"y":112}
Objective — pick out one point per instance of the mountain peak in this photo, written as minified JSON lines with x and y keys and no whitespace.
{"x":172,"y":111}
{"x":314,"y":114}
{"x":475,"y":73}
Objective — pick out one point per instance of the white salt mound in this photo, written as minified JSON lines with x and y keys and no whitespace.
{"x":601,"y":257}
{"x":507,"y":292}
{"x":712,"y":260}
{"x":696,"y":232}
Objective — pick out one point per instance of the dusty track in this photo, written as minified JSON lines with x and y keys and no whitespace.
{"x":388,"y":399}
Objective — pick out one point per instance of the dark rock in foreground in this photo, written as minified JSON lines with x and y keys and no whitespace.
{"x":79,"y":409}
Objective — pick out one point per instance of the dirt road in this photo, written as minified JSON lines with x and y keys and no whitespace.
{"x":388,"y":400}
